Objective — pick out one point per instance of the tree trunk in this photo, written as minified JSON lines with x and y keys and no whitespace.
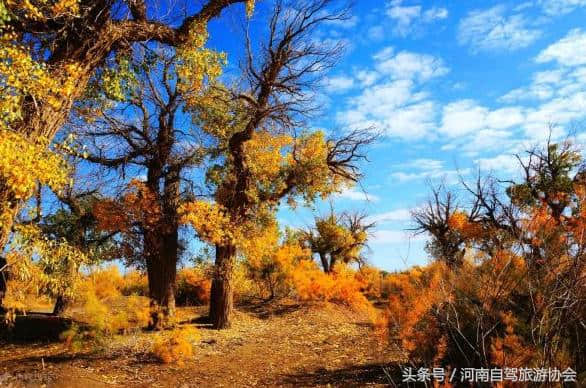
{"x":324,"y":262}
{"x":2,"y":281}
{"x":221,"y":297}
{"x":333,"y":261}
{"x":161,"y":251}
{"x":60,"y":305}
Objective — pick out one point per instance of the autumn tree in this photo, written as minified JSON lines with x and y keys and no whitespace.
{"x":339,"y":238}
{"x":148,"y":132}
{"x":517,"y":297}
{"x":75,"y":223}
{"x":49,"y":52}
{"x":265,"y":152}
{"x":442,"y":218}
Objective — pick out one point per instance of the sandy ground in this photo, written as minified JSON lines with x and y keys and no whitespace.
{"x":278,"y":345}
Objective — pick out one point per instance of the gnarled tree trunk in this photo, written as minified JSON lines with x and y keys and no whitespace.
{"x":161,"y":251}
{"x":61,"y":303}
{"x":324,"y":262}
{"x":221,"y":297}
{"x":2,"y":281}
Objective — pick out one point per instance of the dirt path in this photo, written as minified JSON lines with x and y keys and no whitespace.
{"x":285,"y":345}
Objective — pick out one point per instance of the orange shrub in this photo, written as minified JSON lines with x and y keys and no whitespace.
{"x":135,"y":283}
{"x":193,"y":286}
{"x":342,"y":285}
{"x":371,"y":280}
{"x":104,"y":282}
{"x":175,"y":346}
{"x":103,"y":307}
{"x":467,"y":317}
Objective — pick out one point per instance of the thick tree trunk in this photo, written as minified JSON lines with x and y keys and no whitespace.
{"x":2,"y":281}
{"x":324,"y":262}
{"x":161,"y":251}
{"x":333,"y":261}
{"x":221,"y":298}
{"x":60,"y":305}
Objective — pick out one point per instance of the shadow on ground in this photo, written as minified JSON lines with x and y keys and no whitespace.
{"x":34,"y":327}
{"x":355,"y":376}
{"x":267,"y":310}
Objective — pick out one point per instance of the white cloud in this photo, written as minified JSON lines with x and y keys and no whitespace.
{"x":420,"y":169}
{"x":355,"y":195}
{"x":507,"y":163}
{"x":561,"y":7}
{"x":559,"y":111}
{"x":367,"y":77}
{"x":448,"y":176}
{"x":339,"y":84}
{"x":409,"y":19}
{"x":568,"y":51}
{"x":434,"y":14}
{"x":492,"y":30}
{"x":480,"y":141}
{"x":386,"y":236}
{"x":549,"y":84}
{"x":408,"y":65}
{"x":394,"y":108}
{"x":393,"y":215}
{"x":376,"y":33}
{"x":466,"y":116}
{"x":384,"y":54}
{"x":399,"y":106}
{"x":424,"y":164}
{"x":543,"y":87}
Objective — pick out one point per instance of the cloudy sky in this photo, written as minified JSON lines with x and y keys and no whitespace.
{"x":454,"y":86}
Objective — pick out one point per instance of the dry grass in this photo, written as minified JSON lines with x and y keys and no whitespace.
{"x":282,"y":344}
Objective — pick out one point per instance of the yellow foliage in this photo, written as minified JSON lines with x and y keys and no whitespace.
{"x":105,"y":309}
{"x":371,"y":280}
{"x":266,"y":156}
{"x":105,"y":283}
{"x":250,"y":7}
{"x":45,"y":267}
{"x":193,"y":286}
{"x":209,"y":220}
{"x":175,"y":346}
{"x":23,"y":163}
{"x":135,"y":283}
{"x":196,"y":64}
{"x":41,"y":10}
{"x":459,"y":221}
{"x":23,"y":296}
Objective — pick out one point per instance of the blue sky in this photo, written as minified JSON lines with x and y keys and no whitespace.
{"x":454,"y":86}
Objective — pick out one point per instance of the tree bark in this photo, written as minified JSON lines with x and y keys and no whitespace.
{"x":60,"y":305}
{"x":221,"y":296}
{"x":161,"y":251}
{"x":2,"y":281}
{"x":324,"y":262}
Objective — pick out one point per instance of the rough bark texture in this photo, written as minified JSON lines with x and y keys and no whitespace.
{"x":60,"y":305}
{"x":324,"y":261}
{"x":221,"y":297}
{"x":161,"y":246}
{"x":2,"y":281}
{"x":161,"y":272}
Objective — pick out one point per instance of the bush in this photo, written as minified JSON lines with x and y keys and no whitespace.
{"x":105,"y":309}
{"x":175,"y":346}
{"x":472,"y":316}
{"x":135,"y":283}
{"x":193,"y":286}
